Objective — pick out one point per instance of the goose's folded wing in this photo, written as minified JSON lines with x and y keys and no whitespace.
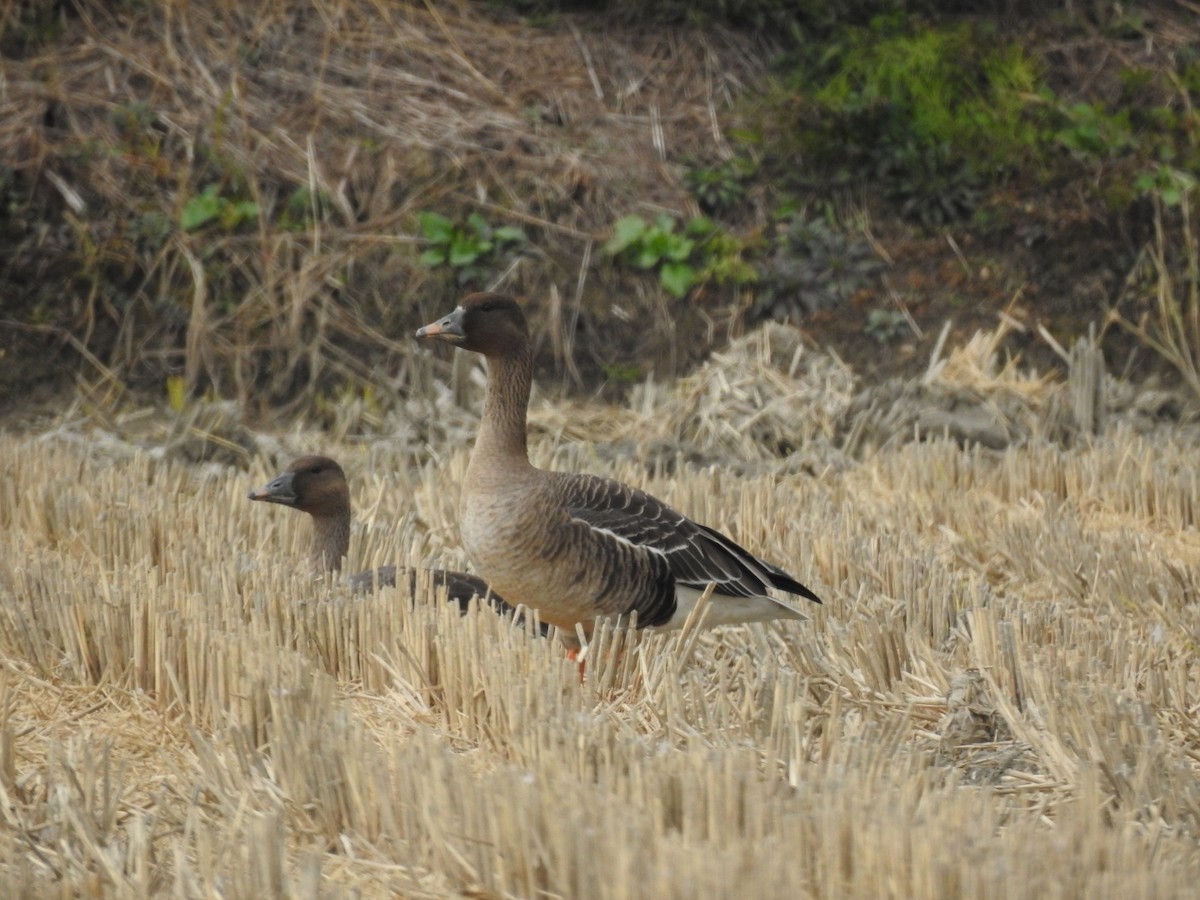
{"x":696,"y":555}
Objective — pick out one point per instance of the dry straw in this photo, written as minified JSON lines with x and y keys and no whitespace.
{"x":997,"y":699}
{"x":339,"y":122}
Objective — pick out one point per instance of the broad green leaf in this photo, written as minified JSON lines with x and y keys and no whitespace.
{"x":677,"y":278}
{"x":647,"y":257}
{"x":201,"y":209}
{"x":507,"y":234}
{"x":680,"y":248}
{"x":480,"y":224}
{"x":627,"y":231}
{"x":433,"y":258}
{"x":436,"y":228}
{"x":465,"y":250}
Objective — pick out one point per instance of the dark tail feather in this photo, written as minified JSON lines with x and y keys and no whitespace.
{"x":776,"y":577}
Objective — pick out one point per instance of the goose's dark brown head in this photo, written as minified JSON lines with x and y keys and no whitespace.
{"x":312,"y":484}
{"x":491,"y":324}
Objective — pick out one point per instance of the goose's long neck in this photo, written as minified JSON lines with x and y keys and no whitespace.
{"x":502,"y":430}
{"x":330,"y":542}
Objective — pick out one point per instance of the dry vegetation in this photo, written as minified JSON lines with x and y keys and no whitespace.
{"x":340,"y":122}
{"x":998,"y":699}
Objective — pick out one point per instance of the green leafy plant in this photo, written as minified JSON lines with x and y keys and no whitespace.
{"x":723,"y":259}
{"x":1091,"y":132}
{"x":720,"y":188}
{"x":1169,"y":185}
{"x":956,"y":86}
{"x":469,"y":248}
{"x":930,"y":185}
{"x":932,"y":114}
{"x":211,"y":206}
{"x":812,"y":267}
{"x":683,"y":258}
{"x":885,"y":325}
{"x":656,"y":245}
{"x":304,"y":207}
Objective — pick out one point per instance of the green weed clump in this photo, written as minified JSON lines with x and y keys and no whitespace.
{"x":933,"y":113}
{"x":683,"y":258}
{"x":472,"y":250}
{"x":933,"y":117}
{"x":1144,"y":142}
{"x":812,"y":265}
{"x":953,"y":86}
{"x":210,"y":206}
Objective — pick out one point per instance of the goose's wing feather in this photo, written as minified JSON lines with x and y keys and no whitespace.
{"x":696,"y":554}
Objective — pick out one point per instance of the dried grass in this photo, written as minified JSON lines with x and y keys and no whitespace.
{"x":998,"y":698}
{"x":374,"y":112}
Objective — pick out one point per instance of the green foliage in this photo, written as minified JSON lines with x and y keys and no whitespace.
{"x":656,"y":246}
{"x":1172,"y":187}
{"x":1090,"y":132}
{"x":723,"y":258}
{"x":812,"y":267}
{"x":953,"y":86}
{"x":930,"y":184}
{"x":470,"y":249}
{"x":1146,"y":144}
{"x":931,"y":113}
{"x":210,"y":206}
{"x":304,"y":207}
{"x":885,"y":325}
{"x":720,"y":188}
{"x":683,"y":259}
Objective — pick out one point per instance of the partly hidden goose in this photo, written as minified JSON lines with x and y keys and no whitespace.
{"x":577,"y":547}
{"x":317,"y":485}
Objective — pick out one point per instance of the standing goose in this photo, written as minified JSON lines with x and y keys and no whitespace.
{"x":317,"y":485}
{"x":576,"y":546}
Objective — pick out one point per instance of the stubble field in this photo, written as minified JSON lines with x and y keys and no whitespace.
{"x":998,"y":698}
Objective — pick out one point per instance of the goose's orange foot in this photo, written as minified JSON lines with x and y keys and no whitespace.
{"x":578,"y":655}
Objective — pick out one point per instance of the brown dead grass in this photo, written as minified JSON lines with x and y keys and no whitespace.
{"x":997,"y":699}
{"x":380,"y":109}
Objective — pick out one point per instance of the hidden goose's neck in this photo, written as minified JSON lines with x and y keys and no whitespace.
{"x":330,"y":542}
